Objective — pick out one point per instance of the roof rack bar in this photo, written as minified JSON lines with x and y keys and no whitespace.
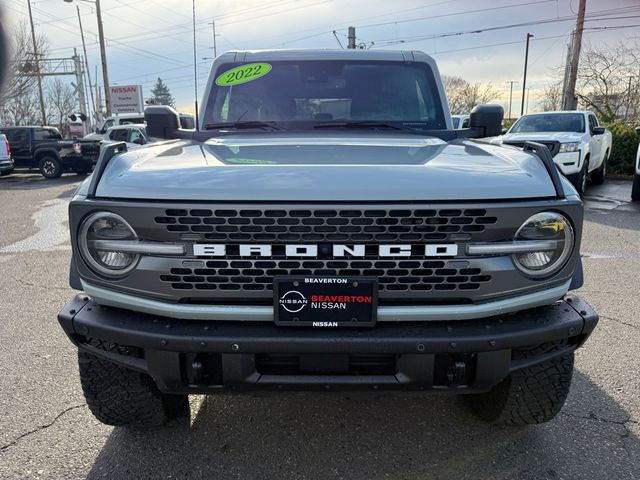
{"x":544,"y":155}
{"x":108,"y":152}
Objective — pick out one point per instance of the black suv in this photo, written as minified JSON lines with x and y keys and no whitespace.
{"x":44,"y":148}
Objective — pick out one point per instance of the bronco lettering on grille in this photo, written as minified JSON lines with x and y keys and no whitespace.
{"x":382,"y":251}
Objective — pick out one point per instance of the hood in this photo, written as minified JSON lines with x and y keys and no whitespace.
{"x":543,"y":136}
{"x":325,"y":167}
{"x":94,"y":136}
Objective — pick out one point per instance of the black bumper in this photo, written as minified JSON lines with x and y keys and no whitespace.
{"x":204,"y":356}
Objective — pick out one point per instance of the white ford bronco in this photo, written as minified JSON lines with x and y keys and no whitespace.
{"x":325,"y":227}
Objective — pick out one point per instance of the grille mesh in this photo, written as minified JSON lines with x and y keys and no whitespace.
{"x":393,"y":275}
{"x":357,"y":225}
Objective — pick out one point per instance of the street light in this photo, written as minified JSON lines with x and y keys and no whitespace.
{"x":103,"y":53}
{"x":524,"y":79}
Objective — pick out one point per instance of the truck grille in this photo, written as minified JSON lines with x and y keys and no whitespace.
{"x":393,"y":275}
{"x":357,"y":225}
{"x":553,"y":146}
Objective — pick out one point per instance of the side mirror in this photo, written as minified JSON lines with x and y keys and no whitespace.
{"x":139,"y":141}
{"x":504,"y":131}
{"x":638,"y":130}
{"x":597,"y":130}
{"x":188,"y":122}
{"x":162,"y":121}
{"x":488,"y":118}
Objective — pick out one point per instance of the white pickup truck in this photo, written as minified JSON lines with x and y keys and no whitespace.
{"x":579,"y":145}
{"x":635,"y":190}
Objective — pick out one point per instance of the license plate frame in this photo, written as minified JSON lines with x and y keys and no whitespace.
{"x":313,"y":301}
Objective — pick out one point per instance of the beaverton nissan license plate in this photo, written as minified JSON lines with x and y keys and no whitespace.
{"x":325,"y":301}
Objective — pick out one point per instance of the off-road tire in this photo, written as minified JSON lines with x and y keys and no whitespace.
{"x":50,"y":167}
{"x":528,"y":396}
{"x":121,"y":397}
{"x":635,"y":189}
{"x":598,"y":176}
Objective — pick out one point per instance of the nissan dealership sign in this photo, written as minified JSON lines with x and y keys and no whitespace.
{"x":126,"y":99}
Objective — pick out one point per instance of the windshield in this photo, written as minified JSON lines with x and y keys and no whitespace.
{"x":299,"y":94}
{"x":553,"y":122}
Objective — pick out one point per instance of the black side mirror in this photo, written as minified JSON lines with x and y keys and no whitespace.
{"x":487,"y":118}
{"x":162,"y":121}
{"x":597,"y":130}
{"x":139,"y":141}
{"x":504,"y":131}
{"x":638,"y":130}
{"x":188,"y":122}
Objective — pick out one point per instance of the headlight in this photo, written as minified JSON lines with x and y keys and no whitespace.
{"x":569,"y":147}
{"x":95,"y":230}
{"x":547,"y":226}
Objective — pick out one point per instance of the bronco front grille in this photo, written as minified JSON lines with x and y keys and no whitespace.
{"x":327,"y":225}
{"x":393,"y":275}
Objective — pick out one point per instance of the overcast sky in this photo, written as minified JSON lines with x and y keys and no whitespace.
{"x":151,"y":38}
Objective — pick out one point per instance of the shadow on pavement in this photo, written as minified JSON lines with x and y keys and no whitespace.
{"x":375,"y":435}
{"x":34,"y":181}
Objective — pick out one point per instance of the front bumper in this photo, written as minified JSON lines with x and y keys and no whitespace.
{"x":195,"y":356}
{"x":6,"y":166}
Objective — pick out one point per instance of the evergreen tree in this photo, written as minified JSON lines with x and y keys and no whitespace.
{"x":161,"y":94}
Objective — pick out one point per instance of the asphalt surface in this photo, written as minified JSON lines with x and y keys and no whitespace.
{"x":46,"y":430}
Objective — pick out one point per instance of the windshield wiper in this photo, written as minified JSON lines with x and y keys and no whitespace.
{"x":364,"y":124}
{"x":240,"y":125}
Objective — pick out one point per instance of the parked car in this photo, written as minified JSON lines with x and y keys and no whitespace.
{"x":115,"y":121}
{"x":635,"y":189}
{"x":44,"y":148}
{"x":282,"y":247}
{"x":134,"y":135}
{"x":579,"y":145}
{"x":187,"y":120}
{"x":460,"y":121}
{"x":6,"y":162}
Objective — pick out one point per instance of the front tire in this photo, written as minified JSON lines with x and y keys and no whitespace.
{"x":635,"y":190}
{"x":527,"y":397}
{"x":121,"y":397}
{"x":598,"y":176}
{"x":579,"y":180}
{"x":50,"y":167}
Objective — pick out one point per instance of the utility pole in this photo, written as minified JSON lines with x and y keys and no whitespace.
{"x":37,"y":63}
{"x":524,"y":79}
{"x":103,"y":58}
{"x":215,"y":50}
{"x":86,"y":61}
{"x":569,"y":95}
{"x":77,"y":62}
{"x":511,"y":95}
{"x":195,"y":65}
{"x":352,"y":38}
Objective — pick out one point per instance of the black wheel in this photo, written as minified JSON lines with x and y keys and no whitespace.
{"x":579,"y":180}
{"x":50,"y":167}
{"x":598,"y":176}
{"x":528,"y":396}
{"x":121,"y":397}
{"x":80,"y":167}
{"x":635,"y":190}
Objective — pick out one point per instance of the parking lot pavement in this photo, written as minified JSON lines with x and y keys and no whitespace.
{"x":46,"y":430}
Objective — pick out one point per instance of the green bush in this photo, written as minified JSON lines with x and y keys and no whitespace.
{"x":623,"y":148}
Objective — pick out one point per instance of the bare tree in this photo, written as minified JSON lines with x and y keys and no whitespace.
{"x":61,"y":99}
{"x":463,"y":96}
{"x":18,"y":90}
{"x":608,"y":81}
{"x":551,"y":98}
